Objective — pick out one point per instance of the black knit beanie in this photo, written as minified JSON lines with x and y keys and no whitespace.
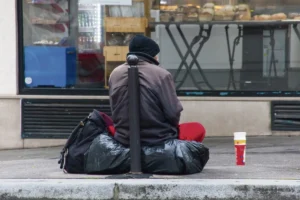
{"x":143,"y":44}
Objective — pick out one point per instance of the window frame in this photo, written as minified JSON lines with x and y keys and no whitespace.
{"x":22,"y":90}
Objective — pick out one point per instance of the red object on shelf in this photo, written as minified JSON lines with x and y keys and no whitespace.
{"x":91,"y":68}
{"x":55,"y":7}
{"x":57,"y":28}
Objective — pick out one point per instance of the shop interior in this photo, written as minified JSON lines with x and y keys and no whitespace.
{"x":208,"y":45}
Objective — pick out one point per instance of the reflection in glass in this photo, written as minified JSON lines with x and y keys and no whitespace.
{"x":208,"y":45}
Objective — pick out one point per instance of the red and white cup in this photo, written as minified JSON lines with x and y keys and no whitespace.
{"x":240,"y":148}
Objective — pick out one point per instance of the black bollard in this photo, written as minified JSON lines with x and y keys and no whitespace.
{"x":134,"y":114}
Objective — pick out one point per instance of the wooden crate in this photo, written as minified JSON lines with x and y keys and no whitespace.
{"x":109,"y":67}
{"x":126,"y":24}
{"x":115,"y":53}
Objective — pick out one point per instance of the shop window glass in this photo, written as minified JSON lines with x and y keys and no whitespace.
{"x":208,"y":45}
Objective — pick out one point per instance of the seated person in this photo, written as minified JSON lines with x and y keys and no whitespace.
{"x":159,"y":106}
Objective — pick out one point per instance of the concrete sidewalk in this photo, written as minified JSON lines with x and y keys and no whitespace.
{"x":272,"y":164}
{"x":266,"y":158}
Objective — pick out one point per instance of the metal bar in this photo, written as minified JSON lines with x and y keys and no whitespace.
{"x":189,"y":51}
{"x":194,"y":56}
{"x":180,"y":55}
{"x":273,"y":59}
{"x":231,"y":55}
{"x":245,"y":23}
{"x":296,"y":31}
{"x":134,"y":114}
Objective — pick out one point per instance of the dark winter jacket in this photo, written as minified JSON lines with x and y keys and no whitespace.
{"x":160,"y":107}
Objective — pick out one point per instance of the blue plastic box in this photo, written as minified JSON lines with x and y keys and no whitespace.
{"x":48,"y":66}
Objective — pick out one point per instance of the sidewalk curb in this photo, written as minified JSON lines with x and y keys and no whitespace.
{"x":183,"y":189}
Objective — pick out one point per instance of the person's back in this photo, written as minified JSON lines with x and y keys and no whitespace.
{"x":159,"y":106}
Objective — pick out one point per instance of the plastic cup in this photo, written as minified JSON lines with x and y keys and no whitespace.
{"x":240,"y":148}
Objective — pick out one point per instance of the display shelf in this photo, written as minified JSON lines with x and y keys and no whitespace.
{"x":115,"y":53}
{"x":109,"y":67}
{"x":58,"y":28}
{"x":247,"y":23}
{"x":40,"y":2}
{"x":137,"y":23}
{"x":126,"y":24}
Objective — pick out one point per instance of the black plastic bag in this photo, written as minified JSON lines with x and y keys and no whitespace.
{"x":175,"y":157}
{"x":107,"y":156}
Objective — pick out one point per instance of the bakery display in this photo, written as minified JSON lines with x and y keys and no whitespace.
{"x":243,"y":13}
{"x":230,"y":12}
{"x":165,"y":17}
{"x":192,"y":14}
{"x":209,"y":5}
{"x":295,"y":16}
{"x":262,"y":17}
{"x":278,"y":16}
{"x":206,"y":14}
{"x":179,"y":17}
{"x":226,"y":13}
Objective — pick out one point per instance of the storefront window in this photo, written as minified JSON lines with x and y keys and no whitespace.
{"x":212,"y":47}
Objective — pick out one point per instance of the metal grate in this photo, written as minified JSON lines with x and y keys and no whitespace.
{"x":285,"y":115}
{"x":56,"y":118}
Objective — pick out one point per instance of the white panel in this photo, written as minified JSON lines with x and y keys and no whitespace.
{"x":8,"y":48}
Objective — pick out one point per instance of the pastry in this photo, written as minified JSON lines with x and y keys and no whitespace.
{"x":179,"y":17}
{"x":192,"y":13}
{"x":165,"y":17}
{"x":279,"y":16}
{"x":262,"y":17}
{"x":192,"y":16}
{"x":206,"y":14}
{"x":297,"y":18}
{"x":193,"y":9}
{"x":293,"y":15}
{"x":181,"y":9}
{"x":243,"y":12}
{"x":226,"y":13}
{"x":209,"y":5}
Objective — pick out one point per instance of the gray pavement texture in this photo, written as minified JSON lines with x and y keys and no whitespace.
{"x":272,"y":172}
{"x":162,"y":189}
{"x":267,"y":157}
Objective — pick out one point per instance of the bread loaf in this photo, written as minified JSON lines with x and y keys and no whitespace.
{"x":226,"y":13}
{"x":243,"y":12}
{"x":206,"y":14}
{"x":262,"y":17}
{"x":209,"y":5}
{"x":279,"y":16}
{"x":293,"y":15}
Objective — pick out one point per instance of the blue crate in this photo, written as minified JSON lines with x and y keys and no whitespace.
{"x":48,"y":66}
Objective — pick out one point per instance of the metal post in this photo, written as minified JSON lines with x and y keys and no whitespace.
{"x":134,"y":114}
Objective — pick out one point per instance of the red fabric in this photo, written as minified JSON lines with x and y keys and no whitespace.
{"x":109,"y":123}
{"x":192,"y":131}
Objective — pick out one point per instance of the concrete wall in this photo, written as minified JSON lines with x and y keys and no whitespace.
{"x":220,"y":116}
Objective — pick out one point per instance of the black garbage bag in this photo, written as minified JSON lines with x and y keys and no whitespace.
{"x":107,"y":156}
{"x":175,"y":157}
